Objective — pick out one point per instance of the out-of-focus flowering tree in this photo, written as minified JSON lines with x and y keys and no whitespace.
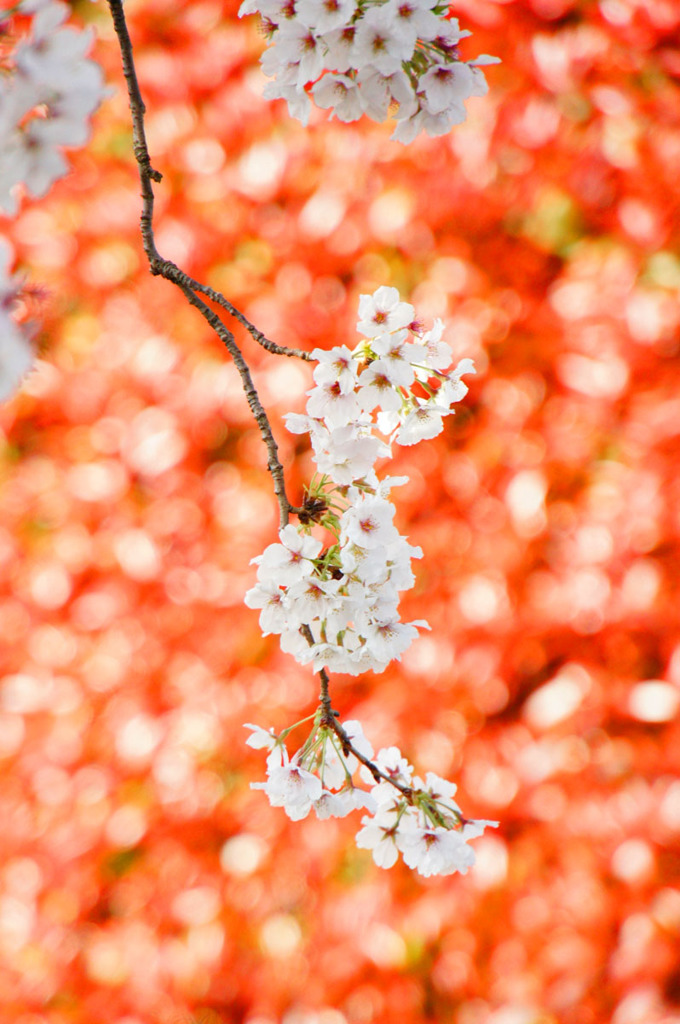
{"x":141,"y":879}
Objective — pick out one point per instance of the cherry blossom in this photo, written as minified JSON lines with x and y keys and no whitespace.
{"x":424,"y":824}
{"x":369,"y":58}
{"x":291,"y":787}
{"x":291,"y":560}
{"x":418,"y":819}
{"x":347,"y":596}
{"x":49,"y":70}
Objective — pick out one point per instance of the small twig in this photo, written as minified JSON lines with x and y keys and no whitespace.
{"x":348,"y":748}
{"x":259,"y":337}
{"x":256,"y":407}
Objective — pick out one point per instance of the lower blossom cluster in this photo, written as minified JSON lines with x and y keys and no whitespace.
{"x":368,"y":57}
{"x":405,"y":815}
{"x":47,"y":94}
{"x":337,"y":606}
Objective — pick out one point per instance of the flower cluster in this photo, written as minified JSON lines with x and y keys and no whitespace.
{"x":368,"y":57}
{"x":318,"y":776}
{"x":418,"y":819}
{"x":337,"y":606}
{"x":47,"y":95}
{"x":16,"y":354}
{"x":424,"y":823}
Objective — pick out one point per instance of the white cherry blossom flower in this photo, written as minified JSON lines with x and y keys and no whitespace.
{"x":398,"y":563}
{"x":298,"y":423}
{"x":273,"y":12}
{"x":349,"y":455}
{"x":48,"y":91}
{"x":378,"y":387}
{"x":452,"y":387}
{"x":424,"y":422}
{"x":472,"y":828}
{"x":289,"y":561}
{"x":263,"y":739}
{"x":341,"y":94}
{"x":363,"y":567}
{"x":380,"y":92}
{"x":399,"y":354}
{"x":291,"y":787}
{"x":335,"y":366}
{"x":368,"y":524}
{"x":388,"y":422}
{"x":446,"y":86}
{"x":338,"y":49}
{"x":336,"y":406}
{"x":380,"y":840}
{"x":269,"y":597}
{"x":299,"y":103}
{"x":424,"y":121}
{"x":325,"y":15}
{"x":415,"y":18}
{"x":311,"y":599}
{"x":380,"y":42}
{"x":295,"y":43}
{"x":435,"y":851}
{"x":331,"y":805}
{"x":349,"y":598}
{"x":438,"y":352}
{"x":383,"y":312}
{"x":388,"y":640}
{"x":395,"y":766}
{"x":52,"y":54}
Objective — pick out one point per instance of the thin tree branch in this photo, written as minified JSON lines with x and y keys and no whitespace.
{"x":171,"y":272}
{"x":147,"y":174}
{"x":260,"y":338}
{"x":330,"y":720}
{"x":256,"y":407}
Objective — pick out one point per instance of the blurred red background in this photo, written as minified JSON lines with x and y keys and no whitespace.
{"x":142,"y":881}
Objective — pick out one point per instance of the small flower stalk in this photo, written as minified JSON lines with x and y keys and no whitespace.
{"x":397,"y":57}
{"x":419,"y":820}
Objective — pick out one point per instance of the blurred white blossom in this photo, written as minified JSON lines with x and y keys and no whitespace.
{"x":47,"y":95}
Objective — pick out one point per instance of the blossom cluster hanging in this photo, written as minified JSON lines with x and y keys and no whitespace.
{"x":47,"y":94}
{"x":418,"y":819}
{"x":373,"y":58}
{"x":333,"y":602}
{"x":394,"y":386}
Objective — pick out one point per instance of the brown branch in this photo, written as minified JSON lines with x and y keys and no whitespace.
{"x":171,"y":272}
{"x":256,"y":407}
{"x":260,"y":338}
{"x":348,"y":748}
